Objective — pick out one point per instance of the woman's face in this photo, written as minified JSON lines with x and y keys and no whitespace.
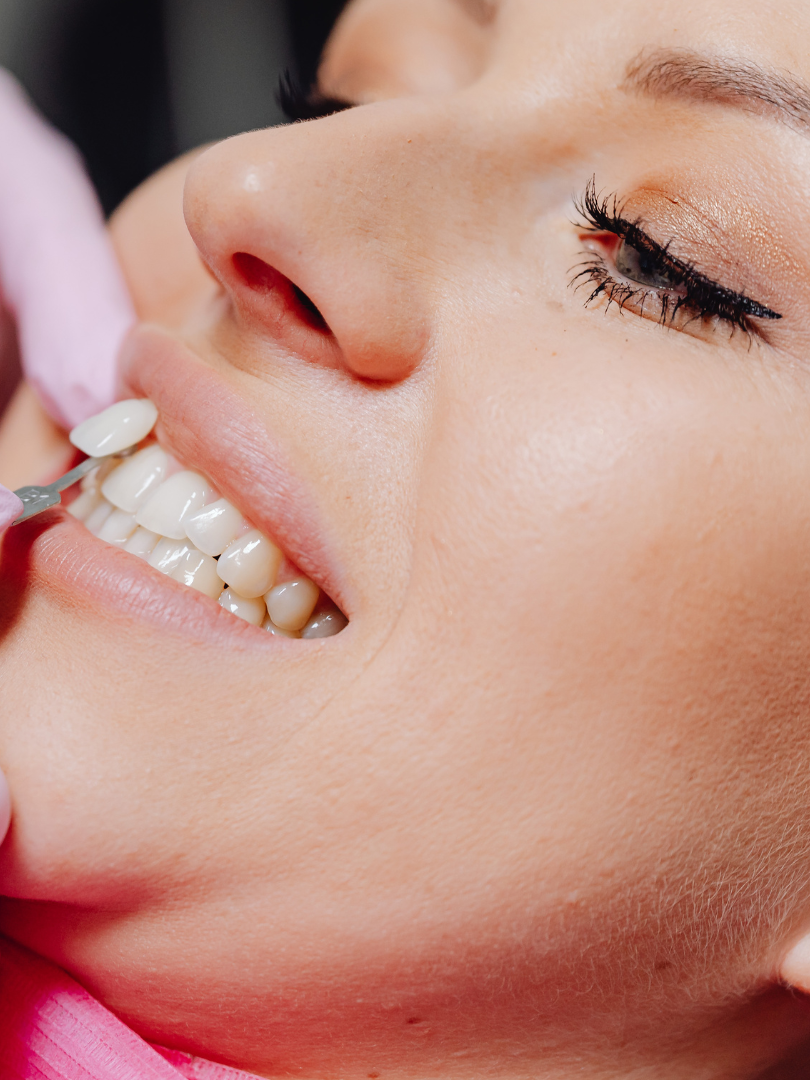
{"x":547,"y":786}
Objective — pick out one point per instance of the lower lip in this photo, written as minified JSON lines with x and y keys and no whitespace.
{"x":57,"y":552}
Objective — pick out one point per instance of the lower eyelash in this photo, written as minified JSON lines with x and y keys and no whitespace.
{"x":623,"y":292}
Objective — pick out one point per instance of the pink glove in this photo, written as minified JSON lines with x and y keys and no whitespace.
{"x":58,"y":274}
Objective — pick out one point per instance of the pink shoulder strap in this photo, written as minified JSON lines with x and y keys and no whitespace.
{"x":52,"y":1029}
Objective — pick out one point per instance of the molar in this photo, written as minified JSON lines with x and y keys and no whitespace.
{"x":290,"y":604}
{"x":326,"y":623}
{"x":117,"y":428}
{"x":214,"y":527}
{"x":250,"y":564}
{"x":173,"y":502}
{"x":132,"y":483}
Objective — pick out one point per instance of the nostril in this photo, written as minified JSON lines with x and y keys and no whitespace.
{"x":261,"y":277}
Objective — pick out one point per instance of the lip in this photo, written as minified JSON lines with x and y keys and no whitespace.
{"x":246,"y":465}
{"x":244,"y":460}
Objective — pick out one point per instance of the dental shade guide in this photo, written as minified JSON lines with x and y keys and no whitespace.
{"x":39,"y":497}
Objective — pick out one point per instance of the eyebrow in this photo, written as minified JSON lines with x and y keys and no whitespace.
{"x":738,"y":84}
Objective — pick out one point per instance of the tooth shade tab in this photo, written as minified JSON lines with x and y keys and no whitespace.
{"x":325,"y":624}
{"x":175,"y":500}
{"x":290,"y":604}
{"x":96,"y":519}
{"x":199,"y":571}
{"x":214,"y":527}
{"x":250,"y":564}
{"x":142,"y":543}
{"x":84,"y":505}
{"x":252,"y":611}
{"x":117,"y":428}
{"x":271,"y":628}
{"x":134,"y":481}
{"x":167,"y":555}
{"x":118,"y":528}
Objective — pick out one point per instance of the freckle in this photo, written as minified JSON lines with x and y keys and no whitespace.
{"x":414,"y":1020}
{"x":373,"y":1076}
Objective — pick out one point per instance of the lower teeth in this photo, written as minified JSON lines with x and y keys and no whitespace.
{"x":233,"y":564}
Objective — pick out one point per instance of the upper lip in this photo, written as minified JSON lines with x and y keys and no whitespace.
{"x":211,"y":429}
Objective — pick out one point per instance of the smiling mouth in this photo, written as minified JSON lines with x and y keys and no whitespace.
{"x":174,"y":519}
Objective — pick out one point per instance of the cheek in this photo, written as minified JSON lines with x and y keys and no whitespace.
{"x":614,"y":551}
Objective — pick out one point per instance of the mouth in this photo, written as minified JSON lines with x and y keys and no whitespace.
{"x":172,"y":516}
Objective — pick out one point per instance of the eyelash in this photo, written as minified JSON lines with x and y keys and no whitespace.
{"x":699,"y":298}
{"x":298,"y":103}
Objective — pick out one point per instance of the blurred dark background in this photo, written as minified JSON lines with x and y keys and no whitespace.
{"x":135,"y":82}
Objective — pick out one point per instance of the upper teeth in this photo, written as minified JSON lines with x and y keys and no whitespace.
{"x":179,"y":524}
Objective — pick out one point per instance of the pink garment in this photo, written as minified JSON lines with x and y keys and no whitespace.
{"x":52,"y":1029}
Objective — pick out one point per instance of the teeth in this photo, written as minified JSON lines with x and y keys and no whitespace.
{"x":115,"y":429}
{"x":178,"y":524}
{"x":84,"y":505}
{"x":199,"y":572}
{"x":175,"y":500}
{"x":250,"y":564}
{"x":118,"y":528}
{"x":291,"y":604}
{"x":96,"y":518}
{"x":271,"y":628}
{"x":168,"y":554}
{"x":130,"y":485}
{"x":214,"y":527}
{"x":142,"y":543}
{"x":325,"y":624}
{"x":252,"y":611}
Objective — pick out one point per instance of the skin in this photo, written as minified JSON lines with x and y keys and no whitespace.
{"x":542,"y":810}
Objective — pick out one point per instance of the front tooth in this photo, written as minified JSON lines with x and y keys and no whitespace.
{"x":118,"y":528}
{"x":252,"y":611}
{"x":142,"y":543}
{"x":97,"y":517}
{"x":250,"y":564}
{"x":168,"y":554}
{"x":115,"y":429}
{"x":214,"y":527}
{"x":199,"y":571}
{"x":130,"y":485}
{"x":175,"y":500}
{"x":325,"y":624}
{"x":93,"y":480}
{"x":290,"y":605}
{"x":278,"y":631}
{"x":84,"y":505}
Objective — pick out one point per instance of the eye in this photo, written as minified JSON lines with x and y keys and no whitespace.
{"x":298,"y":103}
{"x":644,"y":268}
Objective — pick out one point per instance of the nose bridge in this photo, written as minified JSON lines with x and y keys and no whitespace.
{"x":348,"y":209}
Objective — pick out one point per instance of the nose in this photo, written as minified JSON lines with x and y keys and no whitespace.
{"x":311,"y":230}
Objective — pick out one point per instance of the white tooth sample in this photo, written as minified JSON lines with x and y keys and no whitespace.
{"x":250,"y":564}
{"x":290,"y":604}
{"x":271,"y":628}
{"x":252,"y":611}
{"x":97,"y":517}
{"x":84,"y":505}
{"x":167,"y":555}
{"x":115,"y":429}
{"x":118,"y":528}
{"x":132,"y":483}
{"x":214,"y":527}
{"x":142,"y":543}
{"x":174,"y":501}
{"x":325,"y":624}
{"x":199,"y":571}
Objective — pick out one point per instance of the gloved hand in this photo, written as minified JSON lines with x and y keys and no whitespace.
{"x":58,"y":273}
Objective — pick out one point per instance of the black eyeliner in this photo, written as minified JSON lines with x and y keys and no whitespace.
{"x":702,"y":296}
